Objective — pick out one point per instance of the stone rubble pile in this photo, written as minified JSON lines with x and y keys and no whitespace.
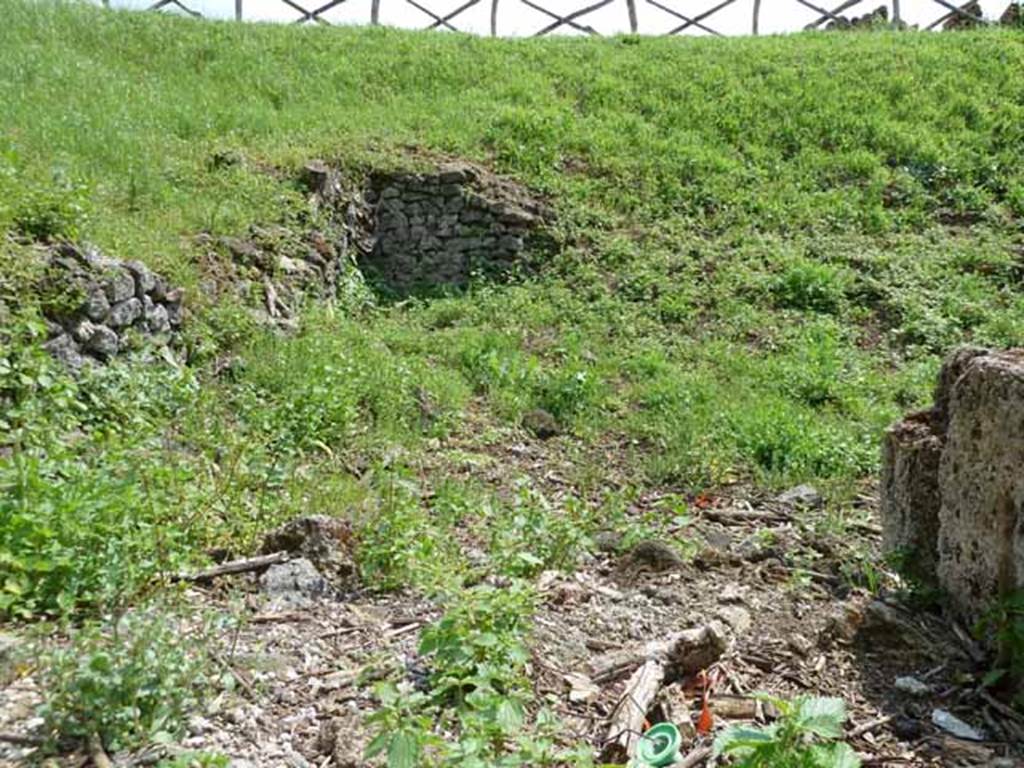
{"x":952,"y":494}
{"x":106,"y":306}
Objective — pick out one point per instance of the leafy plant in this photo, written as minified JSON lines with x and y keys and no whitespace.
{"x":807,"y":735}
{"x":128,"y":681}
{"x":531,"y":534}
{"x":477,"y":646}
{"x":476,"y":688}
{"x":403,"y":719}
{"x":1004,"y":623}
{"x":53,"y":211}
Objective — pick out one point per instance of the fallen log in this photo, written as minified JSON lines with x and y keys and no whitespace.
{"x":231,"y":567}
{"x":683,"y":653}
{"x":627,"y":721}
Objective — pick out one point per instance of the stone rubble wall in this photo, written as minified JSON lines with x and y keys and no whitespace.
{"x":404,"y":231}
{"x":107,"y":306}
{"x":952,"y":496}
{"x":441,"y":229}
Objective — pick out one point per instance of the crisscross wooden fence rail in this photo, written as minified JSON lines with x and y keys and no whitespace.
{"x":684,"y":18}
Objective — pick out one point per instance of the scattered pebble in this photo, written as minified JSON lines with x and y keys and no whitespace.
{"x":912,"y":686}
{"x":955,"y":726}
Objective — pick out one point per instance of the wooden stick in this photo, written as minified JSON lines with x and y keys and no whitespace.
{"x":232,"y":567}
{"x":741,"y":516}
{"x":20,"y":740}
{"x":1003,"y":709}
{"x":375,"y":12}
{"x":695,"y":758}
{"x":757,"y":14}
{"x":631,"y":7}
{"x":448,"y":17}
{"x":628,"y":717}
{"x":870,"y":725}
{"x":574,"y":15}
{"x":684,"y":652}
{"x":97,"y":754}
{"x":494,"y":17}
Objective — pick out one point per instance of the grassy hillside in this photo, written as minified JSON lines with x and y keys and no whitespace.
{"x":766,"y":245}
{"x":766,"y":242}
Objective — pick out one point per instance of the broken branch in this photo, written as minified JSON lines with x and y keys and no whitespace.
{"x":232,"y":567}
{"x":683,"y":653}
{"x":627,"y":720}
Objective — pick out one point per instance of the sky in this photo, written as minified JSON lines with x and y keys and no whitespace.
{"x":516,"y":18}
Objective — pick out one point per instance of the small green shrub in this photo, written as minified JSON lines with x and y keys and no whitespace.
{"x":86,"y":491}
{"x":809,"y":285}
{"x":53,"y":212}
{"x":566,"y":393}
{"x":530,"y":534}
{"x":399,"y":542}
{"x":476,"y":692}
{"x":127,"y":682}
{"x":807,"y":735}
{"x":1004,"y":623}
{"x":478,"y":647}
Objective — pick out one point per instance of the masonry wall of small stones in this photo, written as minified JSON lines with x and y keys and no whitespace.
{"x":440,"y":229}
{"x":105,"y":306}
{"x":952,"y":495}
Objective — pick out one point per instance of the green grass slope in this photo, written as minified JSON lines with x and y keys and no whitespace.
{"x":766,"y":246}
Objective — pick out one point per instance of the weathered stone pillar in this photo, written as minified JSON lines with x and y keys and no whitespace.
{"x":910,"y":495}
{"x":981,"y":477}
{"x":952,"y":494}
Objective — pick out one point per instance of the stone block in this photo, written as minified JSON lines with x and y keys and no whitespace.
{"x":104,"y":342}
{"x":119,"y":286}
{"x":157,"y":320}
{"x":83,"y":330}
{"x":910,"y":497}
{"x":124,"y":313}
{"x":981,"y":480}
{"x":145,"y":281}
{"x":65,"y":351}
{"x":96,"y":305}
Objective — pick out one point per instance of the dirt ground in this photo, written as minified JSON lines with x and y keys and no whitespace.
{"x":302,"y":671}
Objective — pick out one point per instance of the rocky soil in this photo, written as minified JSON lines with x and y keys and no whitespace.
{"x":305,"y":651}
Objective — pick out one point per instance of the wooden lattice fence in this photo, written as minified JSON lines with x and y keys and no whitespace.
{"x":951,"y":14}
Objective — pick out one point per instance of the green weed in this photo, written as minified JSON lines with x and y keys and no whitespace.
{"x":127,"y":682}
{"x":807,"y":735}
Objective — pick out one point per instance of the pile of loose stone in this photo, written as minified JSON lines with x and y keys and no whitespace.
{"x":440,"y":229}
{"x":105,"y":306}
